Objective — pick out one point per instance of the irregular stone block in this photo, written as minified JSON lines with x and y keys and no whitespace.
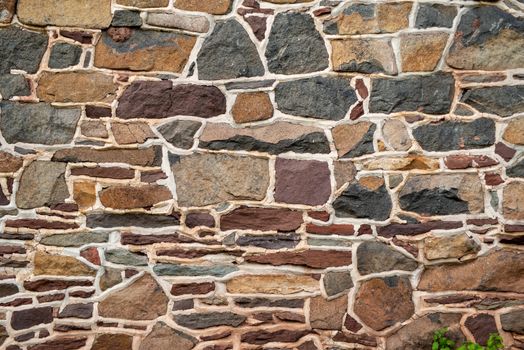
{"x":163,"y":337}
{"x":131,"y":220}
{"x":126,"y":18}
{"x":263,"y":219}
{"x":214,"y":7}
{"x":514,"y":132}
{"x":435,"y":15}
{"x":422,"y":52}
{"x":396,"y":135}
{"x":513,"y":203}
{"x":316,"y":259}
{"x":82,"y":311}
{"x":58,"y":265}
{"x":324,"y":314}
{"x":180,"y":133}
{"x":354,"y":140}
{"x":516,"y":170}
{"x":252,"y":107}
{"x":284,"y":335}
{"x":449,"y":246}
{"x":13,"y":85}
{"x":272,"y":284}
{"x":363,"y":56}
{"x":112,"y":341}
{"x":151,"y":156}
{"x":375,"y":257}
{"x":23,"y":319}
{"x":144,"y":3}
{"x":75,"y":239}
{"x":124,"y":257}
{"x":481,"y":326}
{"x":21,"y":49}
{"x":512,"y":321}
{"x":7,"y":10}
{"x":42,"y":184}
{"x":198,"y":24}
{"x":130,"y":133}
{"x":130,"y":197}
{"x":503,"y":101}
{"x":278,"y":241}
{"x":64,"y":55}
{"x":193,"y":270}
{"x":336,"y":282}
{"x":207,"y":320}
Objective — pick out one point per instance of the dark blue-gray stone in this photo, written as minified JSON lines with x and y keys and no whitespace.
{"x":14,"y":85}
{"x":435,"y":15}
{"x":180,"y":133}
{"x":75,"y":239}
{"x":358,"y":201}
{"x":434,"y":201}
{"x":126,"y":18}
{"x":375,"y":257}
{"x":364,"y":146}
{"x":516,"y":170}
{"x":503,"y":101}
{"x":193,"y":270}
{"x":21,"y":49}
{"x":209,"y":319}
{"x":108,"y":220}
{"x":295,"y":46}
{"x":64,"y":55}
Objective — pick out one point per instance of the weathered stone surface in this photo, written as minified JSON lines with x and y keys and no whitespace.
{"x":363,"y":55}
{"x":10,"y":163}
{"x":269,"y":241}
{"x":396,"y":135}
{"x":409,"y":94}
{"x":481,"y":326}
{"x":129,"y":197}
{"x":143,"y":50}
{"x":374,"y":257}
{"x":126,"y":18}
{"x":8,"y":289}
{"x":252,"y":107}
{"x":422,"y":52}
{"x":354,"y":140}
{"x":38,"y":123}
{"x":199,"y":24}
{"x":316,"y":259}
{"x":503,"y":101}
{"x":272,"y":284}
{"x":21,"y":49}
{"x":77,"y":86}
{"x":419,"y":333}
{"x":131,"y":219}
{"x":194,"y":270}
{"x":513,"y":204}
{"x":514,"y":132}
{"x":64,"y":55}
{"x":59,"y":265}
{"x":110,"y":278}
{"x":283,"y":335}
{"x":125,"y":257}
{"x":360,"y":200}
{"x":302,"y":182}
{"x":163,"y":337}
{"x":276,"y":138}
{"x":7,"y":10}
{"x":449,"y":246}
{"x":336,"y":282}
{"x":160,"y":99}
{"x":130,"y":133}
{"x":144,"y":3}
{"x":83,"y":311}
{"x":204,"y":179}
{"x":31,"y":317}
{"x":66,"y":13}
{"x":94,"y":128}
{"x":258,"y":302}
{"x":487,"y":38}
{"x":292,"y":36}
{"x":196,"y":219}
{"x":42,"y":184}
{"x":144,"y":299}
{"x":13,"y":85}
{"x":263,"y":219}
{"x":151,"y":156}
{"x":496,"y":271}
{"x":382,"y":302}
{"x":516,"y":170}
{"x":60,"y":343}
{"x":112,"y":342}
{"x":180,"y":133}
{"x":512,"y":321}
{"x":192,"y":288}
{"x":214,"y":7}
{"x":324,"y":314}
{"x":435,"y":15}
{"x":84,"y":194}
{"x":207,"y":320}
{"x":452,"y":135}
{"x":104,"y":172}
{"x":442,"y":194}
{"x":228,"y":53}
{"x":320,"y":97}
{"x":48,"y":285}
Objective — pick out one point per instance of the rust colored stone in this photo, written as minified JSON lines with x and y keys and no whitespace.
{"x":9,"y":163}
{"x":84,"y":194}
{"x":48,"y":285}
{"x":481,"y":326}
{"x":91,"y":255}
{"x":318,"y":259}
{"x":192,"y":288}
{"x":504,"y":151}
{"x":130,"y":197}
{"x":392,"y":230}
{"x":319,"y":215}
{"x":324,"y":314}
{"x":38,"y":224}
{"x":76,"y":87}
{"x":252,"y":107}
{"x":214,"y":7}
{"x":334,"y":229}
{"x":264,"y":219}
{"x":493,"y":179}
{"x":109,"y":172}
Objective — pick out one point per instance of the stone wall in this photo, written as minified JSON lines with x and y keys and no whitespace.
{"x":260,"y":174}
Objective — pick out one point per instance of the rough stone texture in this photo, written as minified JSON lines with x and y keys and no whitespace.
{"x":13,"y":85}
{"x":514,"y":132}
{"x":362,"y":201}
{"x":142,"y":157}
{"x":126,"y":18}
{"x":499,"y":100}
{"x":21,"y":49}
{"x":76,"y":87}
{"x":131,"y":219}
{"x":57,"y":265}
{"x":7,"y":10}
{"x":310,"y":258}
{"x":130,"y":133}
{"x":481,"y":326}
{"x":264,"y":219}
{"x":396,"y":135}
{"x":252,"y":107}
{"x":374,"y":257}
{"x":363,"y":56}
{"x":207,"y":320}
{"x":199,"y":24}
{"x":512,"y":321}
{"x":42,"y":184}
{"x":129,"y":197}
{"x":354,"y":140}
{"x":144,"y":3}
{"x":449,"y":246}
{"x":325,"y":314}
{"x":513,"y":204}
{"x":163,"y":337}
{"x":214,"y":7}
{"x":180,"y":133}
{"x":31,"y":317}
{"x":435,"y":15}
{"x":64,"y":55}
{"x":337,"y":282}
{"x":421,"y":52}
{"x":112,"y":341}
{"x":272,"y":284}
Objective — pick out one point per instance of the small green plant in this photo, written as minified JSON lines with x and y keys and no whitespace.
{"x":441,"y":342}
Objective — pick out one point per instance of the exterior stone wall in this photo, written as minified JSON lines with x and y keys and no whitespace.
{"x":260,"y":174}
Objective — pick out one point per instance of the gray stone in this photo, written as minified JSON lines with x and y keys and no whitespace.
{"x":435,"y":15}
{"x":126,"y":18}
{"x":295,"y":46}
{"x":83,"y":311}
{"x":448,"y":246}
{"x":125,"y":257}
{"x":110,"y":278}
{"x":108,"y":220}
{"x":283,"y":240}
{"x":229,"y":53}
{"x":374,"y":257}
{"x":513,"y":321}
{"x":211,"y":319}
{"x":75,"y":239}
{"x":13,"y":85}
{"x":453,"y":135}
{"x":249,"y":85}
{"x":193,"y":270}
{"x":180,"y":133}
{"x":358,"y":201}
{"x":321,"y":97}
{"x":38,"y":123}
{"x":42,"y":184}
{"x":64,"y":55}
{"x":410,"y":94}
{"x":21,"y":49}
{"x":336,"y":282}
{"x":516,"y":170}
{"x":503,"y":101}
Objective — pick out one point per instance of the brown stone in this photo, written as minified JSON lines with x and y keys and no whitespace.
{"x":151,"y":156}
{"x":393,"y":17}
{"x":91,"y":255}
{"x":65,"y":13}
{"x":143,"y":299}
{"x":144,"y":3}
{"x":392,"y":230}
{"x":513,"y":203}
{"x":84,"y":194}
{"x":94,"y":128}
{"x":31,"y":317}
{"x":347,"y":138}
{"x":302,"y":182}
{"x":80,"y":36}
{"x":129,"y":133}
{"x":422,"y":52}
{"x":493,"y":179}
{"x":264,"y":219}
{"x":252,"y":107}
{"x":48,"y":285}
{"x":109,"y":172}
{"x":449,"y":246}
{"x":163,"y":337}
{"x":38,"y":224}
{"x":324,"y":314}
{"x":80,"y":86}
{"x":363,"y":55}
{"x":143,"y":50}
{"x":272,"y":284}
{"x":514,"y":132}
{"x":42,"y":184}
{"x":113,"y":342}
{"x":496,"y":271}
{"x":60,"y":265}
{"x":464,"y":162}
{"x":214,"y":7}
{"x":199,"y":219}
{"x":481,"y":326}
{"x":396,"y":135}
{"x":317,"y":259}
{"x":192,"y":288}
{"x":7,"y":10}
{"x":382,"y":302}
{"x":262,"y":336}
{"x":334,"y":229}
{"x":130,"y":197}
{"x":9,"y":163}
{"x":61,"y":343}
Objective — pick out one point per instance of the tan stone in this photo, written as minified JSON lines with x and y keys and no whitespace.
{"x":287,"y":1}
{"x":84,"y":194}
{"x":372,"y":183}
{"x":163,"y":337}
{"x":55,"y":265}
{"x":396,"y":135}
{"x":272,"y":284}
{"x":214,"y":7}
{"x":129,"y":133}
{"x":9,"y":163}
{"x":324,"y":314}
{"x":94,"y":128}
{"x":402,"y":163}
{"x":131,"y":197}
{"x":347,"y":136}
{"x":65,"y":13}
{"x":252,"y":107}
{"x":422,"y":52}
{"x":113,"y":342}
{"x":77,"y":86}
{"x":199,"y":24}
{"x":449,"y":246}
{"x":514,"y":132}
{"x":363,"y":55}
{"x":144,"y":3}
{"x":393,"y":17}
{"x":345,"y":172}
{"x":143,"y":299}
{"x":513,"y":203}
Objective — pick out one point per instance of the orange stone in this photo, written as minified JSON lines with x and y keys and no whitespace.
{"x":56,"y":265}
{"x":252,"y":107}
{"x":84,"y":194}
{"x":80,"y":86}
{"x":130,"y":197}
{"x":214,"y":7}
{"x":422,"y":52}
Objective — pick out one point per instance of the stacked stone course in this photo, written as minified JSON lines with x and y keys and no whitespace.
{"x":260,"y":174}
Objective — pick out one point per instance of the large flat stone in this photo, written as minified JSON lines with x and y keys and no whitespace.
{"x":503,"y":101}
{"x":363,"y":56}
{"x":375,"y":257}
{"x":163,"y":337}
{"x":513,"y":202}
{"x":272,"y":284}
{"x":213,"y":7}
{"x":42,"y":184}
{"x":263,"y":219}
{"x":21,"y":49}
{"x":151,"y":156}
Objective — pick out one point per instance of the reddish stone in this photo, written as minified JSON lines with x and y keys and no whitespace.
{"x":192,"y":288}
{"x":199,"y":219}
{"x":464,"y":162}
{"x":131,"y":197}
{"x":91,"y":255}
{"x":357,"y":111}
{"x":60,"y":344}
{"x":311,"y":258}
{"x":17,"y":302}
{"x":128,"y":273}
{"x":364,"y":230}
{"x":351,"y":324}
{"x":28,"y":318}
{"x":152,"y":176}
{"x":258,"y":25}
{"x":482,"y":222}
{"x":82,"y":311}
{"x":361,"y":88}
{"x":50,"y":298}
{"x":481,"y":326}
{"x":452,"y":299}
{"x":135,"y":239}
{"x":513,"y":228}
{"x":82,"y":294}
{"x":362,"y":339}
{"x":67,"y":207}
{"x":327,"y":314}
{"x":493,"y":179}
{"x":81,"y":37}
{"x":47,"y":285}
{"x":38,"y":224}
{"x":260,"y":337}
{"x":264,"y":219}
{"x":9,"y":163}
{"x":109,"y":173}
{"x":319,"y":215}
{"x":410,"y":247}
{"x":392,"y":230}
{"x":504,"y":151}
{"x":322,"y":11}
{"x":151,"y":156}
{"x":12,"y":249}
{"x":335,"y":229}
